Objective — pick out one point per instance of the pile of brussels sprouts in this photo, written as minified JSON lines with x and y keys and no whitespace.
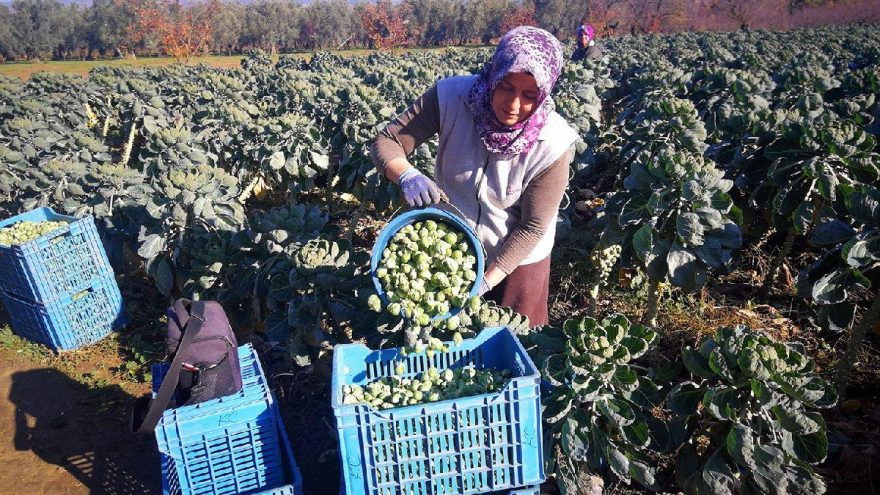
{"x":427,"y":269}
{"x":24,"y":231}
{"x":430,"y":386}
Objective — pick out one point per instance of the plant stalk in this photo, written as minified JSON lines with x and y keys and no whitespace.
{"x":594,"y":295}
{"x":129,"y":144}
{"x":355,"y":219}
{"x":650,"y":317}
{"x":857,"y":334}
{"x":328,"y":190}
{"x":770,"y":281}
{"x":248,"y":190}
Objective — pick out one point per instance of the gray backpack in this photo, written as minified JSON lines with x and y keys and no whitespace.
{"x":205,"y":364}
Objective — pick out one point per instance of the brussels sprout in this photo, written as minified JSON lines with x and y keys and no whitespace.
{"x":474,"y":304}
{"x":453,"y":322}
{"x":374,"y":303}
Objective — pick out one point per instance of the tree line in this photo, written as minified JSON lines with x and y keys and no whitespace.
{"x":49,"y":29}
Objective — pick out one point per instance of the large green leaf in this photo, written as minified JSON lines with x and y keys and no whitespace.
{"x":689,"y":230}
{"x":717,"y":475}
{"x":767,"y":471}
{"x":696,"y":363}
{"x":795,"y":420}
{"x":723,"y":402}
{"x":643,"y":472}
{"x":637,"y":434}
{"x":740,"y":444}
{"x":828,"y":289}
{"x":618,"y":462}
{"x":574,"y":439}
{"x":643,"y":241}
{"x":832,"y":232}
{"x":684,"y":398}
{"x":164,"y":277}
{"x":625,"y":378}
{"x":811,"y":447}
{"x":617,"y":411}
{"x":718,"y":363}
{"x":557,"y":407}
{"x":685,"y":269}
{"x":151,"y":246}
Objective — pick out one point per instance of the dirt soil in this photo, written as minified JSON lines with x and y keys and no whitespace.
{"x":61,"y":436}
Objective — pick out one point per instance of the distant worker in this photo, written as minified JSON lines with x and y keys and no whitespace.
{"x":586,"y":44}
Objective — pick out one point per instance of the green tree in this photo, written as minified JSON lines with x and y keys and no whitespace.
{"x":480,"y":21}
{"x":107,"y":20}
{"x":75,"y":42}
{"x":272,"y":25}
{"x":560,"y":17}
{"x":8,"y":45}
{"x":435,"y":19}
{"x":229,"y":24}
{"x":38,"y":26}
{"x":335,"y":24}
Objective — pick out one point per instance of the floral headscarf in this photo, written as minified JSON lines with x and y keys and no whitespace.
{"x":586,"y":28}
{"x":525,"y":49}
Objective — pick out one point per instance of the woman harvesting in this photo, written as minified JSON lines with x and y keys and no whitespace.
{"x":586,"y":44}
{"x":502,"y":160}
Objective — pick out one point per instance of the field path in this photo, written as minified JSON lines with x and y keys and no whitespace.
{"x":59,"y":436}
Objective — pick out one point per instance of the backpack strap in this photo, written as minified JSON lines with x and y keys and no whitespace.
{"x":146,"y":423}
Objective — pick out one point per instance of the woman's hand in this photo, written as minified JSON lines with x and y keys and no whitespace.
{"x":491,"y":278}
{"x":418,"y":189}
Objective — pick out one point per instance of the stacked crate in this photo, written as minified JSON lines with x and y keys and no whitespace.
{"x":235,"y":444}
{"x":59,"y":289}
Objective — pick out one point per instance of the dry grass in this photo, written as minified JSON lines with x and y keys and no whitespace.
{"x":24,"y":70}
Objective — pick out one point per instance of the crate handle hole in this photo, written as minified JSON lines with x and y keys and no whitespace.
{"x":81,"y":294}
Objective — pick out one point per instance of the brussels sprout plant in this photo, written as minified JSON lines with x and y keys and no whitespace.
{"x":674,"y":219}
{"x":851,"y":262}
{"x":598,"y":411}
{"x":754,"y":419}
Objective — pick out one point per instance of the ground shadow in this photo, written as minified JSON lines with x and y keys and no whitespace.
{"x":85,"y":431}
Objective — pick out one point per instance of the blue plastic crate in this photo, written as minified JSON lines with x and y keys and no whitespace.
{"x":291,"y":472}
{"x":480,"y":444}
{"x":419,"y":215}
{"x":58,"y":264}
{"x":292,"y":476}
{"x":70,"y":321}
{"x":226,"y":445}
{"x":526,"y":490}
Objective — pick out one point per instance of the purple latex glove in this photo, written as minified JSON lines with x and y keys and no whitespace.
{"x":484,"y":288}
{"x":418,"y":189}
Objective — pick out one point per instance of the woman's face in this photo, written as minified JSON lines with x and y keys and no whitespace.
{"x":514,"y":98}
{"x":584,"y":39}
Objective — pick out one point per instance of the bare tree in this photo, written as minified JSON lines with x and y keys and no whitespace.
{"x":745,"y":13}
{"x":604,"y":15}
{"x":655,"y":16}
